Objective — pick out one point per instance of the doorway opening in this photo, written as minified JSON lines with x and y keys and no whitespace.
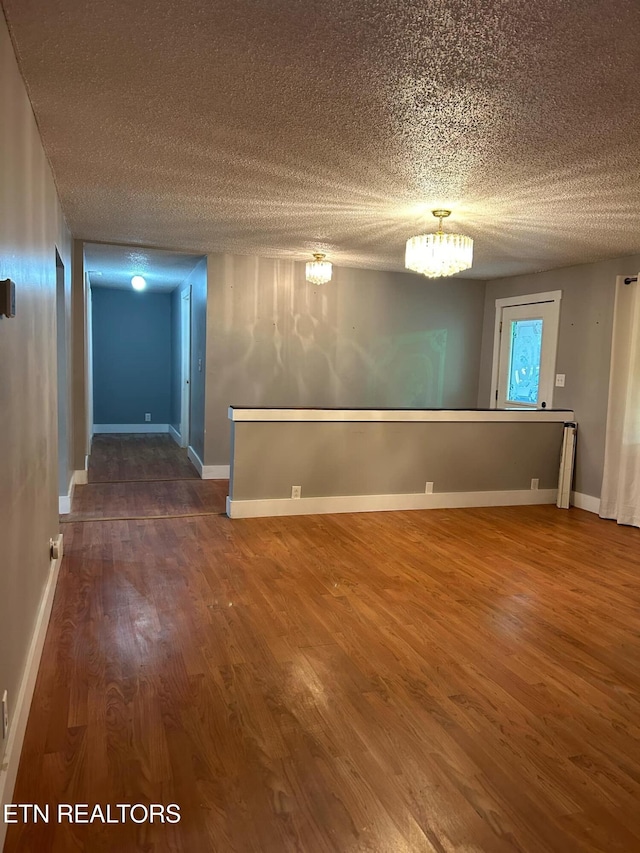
{"x":140,"y":341}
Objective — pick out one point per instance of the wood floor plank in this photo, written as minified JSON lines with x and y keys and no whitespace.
{"x":449,"y":680}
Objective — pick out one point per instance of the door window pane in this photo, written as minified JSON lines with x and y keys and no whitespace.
{"x":524,"y":361}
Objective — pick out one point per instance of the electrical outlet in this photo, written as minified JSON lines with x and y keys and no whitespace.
{"x":535,"y":483}
{"x":5,"y":715}
{"x":147,"y":417}
{"x":560,"y":377}
{"x":428,"y":489}
{"x":295,"y":491}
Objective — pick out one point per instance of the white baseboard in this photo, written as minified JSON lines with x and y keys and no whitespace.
{"x":215,"y":472}
{"x":381,"y":503}
{"x":64,"y":501}
{"x":587,"y":502}
{"x":208,"y":472}
{"x":175,"y":435}
{"x":130,"y":428}
{"x":197,"y":462}
{"x":22,"y":705}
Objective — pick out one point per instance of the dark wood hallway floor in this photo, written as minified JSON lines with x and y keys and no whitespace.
{"x":461,"y":680}
{"x":143,"y":476}
{"x":121,"y":458}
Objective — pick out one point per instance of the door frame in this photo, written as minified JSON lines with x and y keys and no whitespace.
{"x":62,"y":374}
{"x":550,"y":296}
{"x":185,"y":366}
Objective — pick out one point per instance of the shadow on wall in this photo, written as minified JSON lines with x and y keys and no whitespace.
{"x":409,"y":370}
{"x":279,"y":341}
{"x":275,"y":337}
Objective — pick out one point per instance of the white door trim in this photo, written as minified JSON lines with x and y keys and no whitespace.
{"x":509,"y":302}
{"x":185,"y":366}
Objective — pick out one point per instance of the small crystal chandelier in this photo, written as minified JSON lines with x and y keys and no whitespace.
{"x":439,"y":254}
{"x":319,"y":270}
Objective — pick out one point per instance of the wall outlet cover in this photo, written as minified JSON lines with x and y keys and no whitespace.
{"x":428,"y":489}
{"x":560,"y":378}
{"x":535,"y":483}
{"x":296,"y":492}
{"x":147,"y":417}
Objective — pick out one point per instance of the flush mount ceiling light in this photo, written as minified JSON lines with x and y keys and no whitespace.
{"x":318,"y":270}
{"x":138,"y":283}
{"x":439,"y":254}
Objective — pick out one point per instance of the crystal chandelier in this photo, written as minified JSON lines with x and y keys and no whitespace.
{"x":318,"y":270}
{"x":439,"y":254}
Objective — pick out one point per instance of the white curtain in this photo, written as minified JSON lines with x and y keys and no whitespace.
{"x":621,"y":483}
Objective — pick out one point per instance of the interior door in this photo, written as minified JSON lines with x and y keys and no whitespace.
{"x":527,"y":356}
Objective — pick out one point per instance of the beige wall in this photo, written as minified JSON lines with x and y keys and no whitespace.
{"x":31,"y":226}
{"x":367,"y":338}
{"x":584,"y":350}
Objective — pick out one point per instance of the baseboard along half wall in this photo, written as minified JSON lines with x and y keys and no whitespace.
{"x":130,"y":428}
{"x":175,"y":435}
{"x":382,"y":503}
{"x":20,"y":713}
{"x":215,"y":472}
{"x":587,"y":502}
{"x":208,"y":472}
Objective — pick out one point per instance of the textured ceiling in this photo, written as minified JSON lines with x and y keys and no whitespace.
{"x":114,"y":266}
{"x":278,"y":127}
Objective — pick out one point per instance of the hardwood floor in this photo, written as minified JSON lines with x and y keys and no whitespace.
{"x":447,"y":680}
{"x":121,"y":458}
{"x":174,"y":498}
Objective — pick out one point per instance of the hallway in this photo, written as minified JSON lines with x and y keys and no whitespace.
{"x":443,"y":680}
{"x":143,"y":476}
{"x":126,"y":458}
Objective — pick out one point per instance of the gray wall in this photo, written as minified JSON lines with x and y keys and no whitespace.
{"x":131,"y":356}
{"x":31,"y":227}
{"x":367,"y":338}
{"x":328,"y":459}
{"x":584,"y":350}
{"x":197,"y":280}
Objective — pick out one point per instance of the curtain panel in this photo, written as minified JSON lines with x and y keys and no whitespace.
{"x":620,"y":498}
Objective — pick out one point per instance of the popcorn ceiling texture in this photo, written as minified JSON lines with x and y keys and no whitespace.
{"x":113,"y":266}
{"x":278,"y":127}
